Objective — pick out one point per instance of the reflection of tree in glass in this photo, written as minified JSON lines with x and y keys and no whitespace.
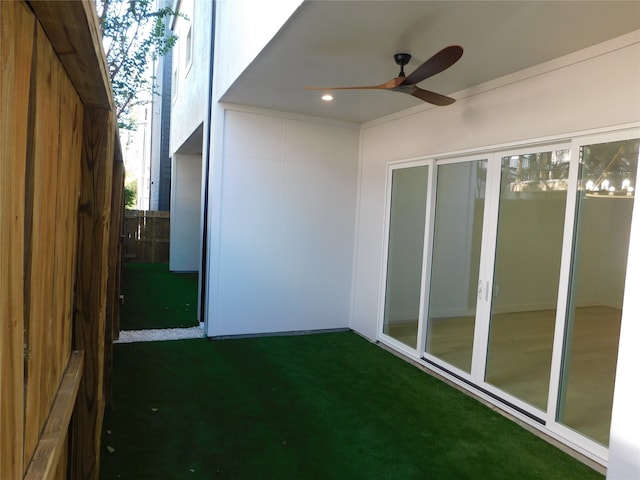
{"x":536,"y":172}
{"x":610,"y":167}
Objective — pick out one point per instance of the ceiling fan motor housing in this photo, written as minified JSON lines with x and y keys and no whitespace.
{"x":402,"y":59}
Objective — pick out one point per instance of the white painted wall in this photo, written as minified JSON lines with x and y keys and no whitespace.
{"x":191,"y":82}
{"x":282,"y":258}
{"x":186,"y":176}
{"x":245,"y":27}
{"x":594,"y":88}
{"x":624,"y":447}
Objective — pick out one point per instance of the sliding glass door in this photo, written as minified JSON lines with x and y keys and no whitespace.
{"x":404,"y":253}
{"x":606,"y":191}
{"x":531,"y":209}
{"x":455,"y":261}
{"x":507,"y":270}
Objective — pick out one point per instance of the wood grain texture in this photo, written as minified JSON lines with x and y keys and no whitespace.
{"x":16,"y":46}
{"x":47,"y":75}
{"x":112,"y":330}
{"x":91,"y":287}
{"x":146,"y":236}
{"x":40,"y":322}
{"x":73,"y":29}
{"x":69,"y":159}
{"x":53,"y":176}
{"x":46,"y":459}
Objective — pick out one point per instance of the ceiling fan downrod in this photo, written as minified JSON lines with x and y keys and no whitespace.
{"x":402,"y":59}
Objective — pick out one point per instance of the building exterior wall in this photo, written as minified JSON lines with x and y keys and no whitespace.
{"x":624,"y":447}
{"x":184,"y":256}
{"x":243,"y":29}
{"x":272,"y":267}
{"x":190,"y":91}
{"x":573,"y":94}
{"x":560,"y":97}
{"x":190,"y":72}
{"x":284,"y":239}
{"x":160,"y":169}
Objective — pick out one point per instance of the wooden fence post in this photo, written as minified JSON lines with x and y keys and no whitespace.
{"x":91,"y":288}
{"x":112,"y":324}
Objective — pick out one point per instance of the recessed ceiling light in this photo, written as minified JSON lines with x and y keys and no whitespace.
{"x":327,"y":98}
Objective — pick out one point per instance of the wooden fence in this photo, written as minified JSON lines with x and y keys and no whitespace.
{"x":61,"y":196}
{"x":146,"y":236}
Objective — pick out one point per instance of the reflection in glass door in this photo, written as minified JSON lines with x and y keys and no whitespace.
{"x":405,"y":252}
{"x":455,"y":263}
{"x":491,"y":281}
{"x":608,"y":175}
{"x":533,"y":193}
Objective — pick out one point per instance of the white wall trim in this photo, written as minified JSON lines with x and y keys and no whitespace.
{"x":504,"y":148}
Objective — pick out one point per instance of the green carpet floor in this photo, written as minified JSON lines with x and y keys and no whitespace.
{"x":323,"y":406}
{"x":157,"y":298}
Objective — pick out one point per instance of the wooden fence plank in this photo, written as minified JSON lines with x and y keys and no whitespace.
{"x":91,"y":288}
{"x":39,"y":280}
{"x":46,"y":83}
{"x":73,"y":28}
{"x":115,"y":263}
{"x":16,"y":45}
{"x":146,"y":236}
{"x":70,"y":154}
{"x":51,"y":444}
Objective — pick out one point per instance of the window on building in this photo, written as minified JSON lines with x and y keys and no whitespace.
{"x":188,"y":50}
{"x":174,"y":76}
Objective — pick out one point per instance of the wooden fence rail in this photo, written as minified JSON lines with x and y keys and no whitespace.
{"x":146,"y":236}
{"x":47,"y":454}
{"x":61,"y":173}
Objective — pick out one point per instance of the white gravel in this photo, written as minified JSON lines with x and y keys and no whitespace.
{"x":159,"y":334}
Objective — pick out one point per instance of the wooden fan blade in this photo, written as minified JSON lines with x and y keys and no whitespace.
{"x":371,"y":87}
{"x":436,"y":64}
{"x":393,"y":83}
{"x":431,"y":97}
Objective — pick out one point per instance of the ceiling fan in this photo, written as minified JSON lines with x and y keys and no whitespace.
{"x":407,"y":84}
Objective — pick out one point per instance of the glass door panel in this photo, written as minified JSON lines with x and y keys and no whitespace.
{"x":533,"y":193}
{"x":455,"y":263}
{"x":607,"y":182}
{"x":405,"y":251}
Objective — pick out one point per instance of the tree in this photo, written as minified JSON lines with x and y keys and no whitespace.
{"x":130,"y":193}
{"x":133,"y":33}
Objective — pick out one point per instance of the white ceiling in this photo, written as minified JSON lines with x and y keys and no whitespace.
{"x":333,"y":43}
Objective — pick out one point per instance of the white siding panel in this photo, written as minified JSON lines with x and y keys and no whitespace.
{"x":184,"y":248}
{"x":287,"y":225}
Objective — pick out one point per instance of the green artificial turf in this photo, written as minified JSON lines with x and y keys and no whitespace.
{"x":323,"y":406}
{"x":157,"y":298}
